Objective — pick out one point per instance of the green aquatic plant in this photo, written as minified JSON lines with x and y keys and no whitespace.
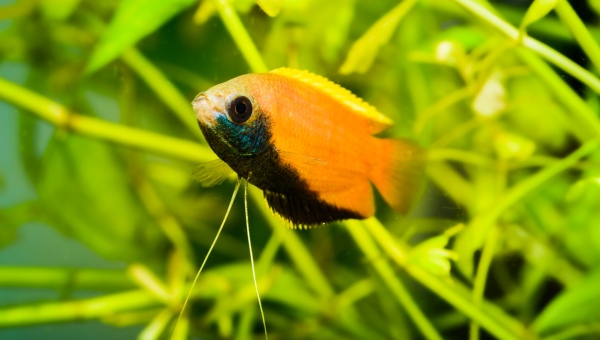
{"x":99,"y":143}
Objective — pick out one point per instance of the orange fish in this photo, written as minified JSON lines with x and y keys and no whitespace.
{"x":309,"y":144}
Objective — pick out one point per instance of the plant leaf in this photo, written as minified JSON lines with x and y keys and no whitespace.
{"x":365,"y":49}
{"x":271,"y":7}
{"x":86,"y":195}
{"x":133,"y":20}
{"x":58,"y":10}
{"x":576,"y":305}
{"x":594,"y":5}
{"x":537,"y":10}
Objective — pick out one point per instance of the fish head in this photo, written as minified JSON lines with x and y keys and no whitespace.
{"x":231,"y":120}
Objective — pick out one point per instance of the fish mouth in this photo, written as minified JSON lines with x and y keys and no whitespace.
{"x":203,"y":109}
{"x":199,"y":102}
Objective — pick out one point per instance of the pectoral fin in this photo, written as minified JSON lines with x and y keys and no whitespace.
{"x":211,"y":173}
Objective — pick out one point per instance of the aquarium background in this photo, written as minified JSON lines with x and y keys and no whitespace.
{"x":102,"y":228}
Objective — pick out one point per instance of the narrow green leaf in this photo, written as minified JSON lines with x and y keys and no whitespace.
{"x":537,"y":10}
{"x":579,"y":30}
{"x":207,"y":9}
{"x":58,"y":10}
{"x":271,"y":7}
{"x":432,"y":254}
{"x":240,"y":36}
{"x":364,"y":50}
{"x":574,"y":306}
{"x":133,"y":20}
{"x":595,"y":5}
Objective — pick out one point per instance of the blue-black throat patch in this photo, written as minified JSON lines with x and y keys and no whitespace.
{"x":245,"y":139}
{"x":250,"y":152}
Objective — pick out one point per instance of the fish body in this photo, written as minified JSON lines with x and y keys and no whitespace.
{"x":308,"y":144}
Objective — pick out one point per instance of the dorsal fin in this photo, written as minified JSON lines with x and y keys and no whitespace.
{"x":339,"y":93}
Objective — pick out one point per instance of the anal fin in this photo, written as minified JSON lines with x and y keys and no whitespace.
{"x":306,"y":211}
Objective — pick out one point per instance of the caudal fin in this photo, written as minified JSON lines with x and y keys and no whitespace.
{"x":398,"y":171}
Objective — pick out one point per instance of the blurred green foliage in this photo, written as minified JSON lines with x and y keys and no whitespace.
{"x":98,"y":142}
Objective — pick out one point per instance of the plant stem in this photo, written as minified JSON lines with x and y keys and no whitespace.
{"x":466,"y":157}
{"x":548,"y":53}
{"x":451,"y":181}
{"x":157,"y":326}
{"x":58,"y":278}
{"x":146,"y":279}
{"x":493,"y":319}
{"x":523,"y":188}
{"x":371,"y":251}
{"x":576,"y":332}
{"x":490,"y":317}
{"x":479,"y":227}
{"x":77,"y":310}
{"x":589,"y":124}
{"x":583,"y":36}
{"x":168,"y":223}
{"x":441,"y":106}
{"x":481,"y":277}
{"x":163,"y":88}
{"x":60,"y":116}
{"x":240,"y":36}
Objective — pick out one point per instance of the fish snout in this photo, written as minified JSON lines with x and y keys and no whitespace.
{"x":199,"y":101}
{"x":202,"y":108}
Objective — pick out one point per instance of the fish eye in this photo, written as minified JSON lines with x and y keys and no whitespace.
{"x":239,"y":109}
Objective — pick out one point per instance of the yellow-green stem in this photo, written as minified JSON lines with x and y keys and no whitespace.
{"x":579,"y":30}
{"x":373,"y":254}
{"x":548,"y":53}
{"x":492,"y":318}
{"x":60,"y":116}
{"x":481,"y":277}
{"x":240,"y":35}
{"x":164,"y":89}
